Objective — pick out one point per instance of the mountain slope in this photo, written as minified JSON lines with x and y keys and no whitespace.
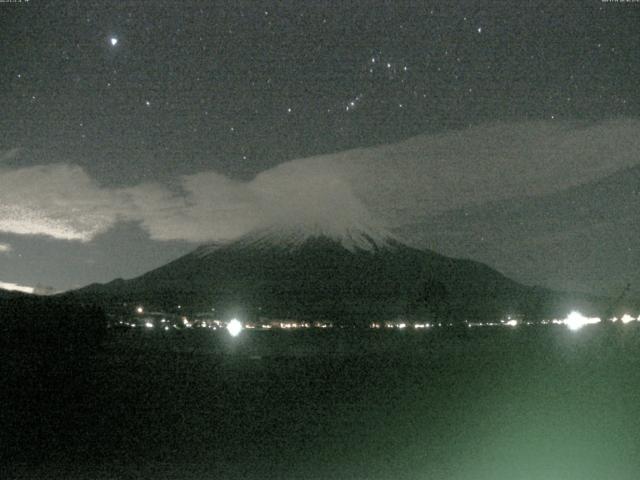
{"x":584,"y":238}
{"x":11,"y":294}
{"x":289,"y":274}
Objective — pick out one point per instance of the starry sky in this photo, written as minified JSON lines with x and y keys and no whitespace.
{"x":133,"y":130}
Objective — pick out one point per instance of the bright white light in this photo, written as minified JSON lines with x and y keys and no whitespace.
{"x":140,"y":310}
{"x":148,"y":325}
{"x":15,"y":287}
{"x":626,"y":318}
{"x":113,"y":41}
{"x":234,"y":327}
{"x":575,"y":321}
{"x":512,"y":323}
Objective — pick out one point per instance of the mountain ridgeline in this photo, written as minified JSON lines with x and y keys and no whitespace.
{"x":354,"y":278}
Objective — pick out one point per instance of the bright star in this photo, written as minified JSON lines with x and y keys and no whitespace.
{"x":113,"y":41}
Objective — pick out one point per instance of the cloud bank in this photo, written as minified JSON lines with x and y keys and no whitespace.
{"x":14,"y":287}
{"x":389,"y":185}
{"x":60,"y":201}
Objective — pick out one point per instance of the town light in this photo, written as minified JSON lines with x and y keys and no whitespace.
{"x":626,"y":318}
{"x":234,"y":327}
{"x":575,"y":321}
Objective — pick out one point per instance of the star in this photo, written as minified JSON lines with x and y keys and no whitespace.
{"x":113,"y":41}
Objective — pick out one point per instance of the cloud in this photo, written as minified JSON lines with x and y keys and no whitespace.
{"x":60,"y":201}
{"x":434,"y":173}
{"x":15,"y":287}
{"x":213,"y":207}
{"x":210,"y":207}
{"x":387,"y":185}
{"x":5,"y":248}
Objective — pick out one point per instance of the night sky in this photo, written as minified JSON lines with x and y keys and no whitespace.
{"x":132,"y":131}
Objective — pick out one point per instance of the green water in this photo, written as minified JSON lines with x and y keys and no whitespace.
{"x":523,"y":403}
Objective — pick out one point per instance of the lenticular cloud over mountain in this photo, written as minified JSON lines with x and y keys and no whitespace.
{"x":356,"y":190}
{"x":391,"y":185}
{"x":214,"y":207}
{"x":316,"y":199}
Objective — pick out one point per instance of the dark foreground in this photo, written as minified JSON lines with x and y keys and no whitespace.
{"x":522,"y":403}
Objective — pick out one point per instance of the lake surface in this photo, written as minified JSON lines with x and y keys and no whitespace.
{"x":520,"y":403}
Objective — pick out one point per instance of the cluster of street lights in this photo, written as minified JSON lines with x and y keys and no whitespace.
{"x":574,"y":321}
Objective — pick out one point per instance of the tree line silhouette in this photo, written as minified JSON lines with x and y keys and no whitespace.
{"x":50,"y":325}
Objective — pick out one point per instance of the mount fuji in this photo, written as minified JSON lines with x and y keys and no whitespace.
{"x":351,"y":275}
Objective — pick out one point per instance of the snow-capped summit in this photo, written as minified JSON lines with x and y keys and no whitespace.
{"x":292,"y":237}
